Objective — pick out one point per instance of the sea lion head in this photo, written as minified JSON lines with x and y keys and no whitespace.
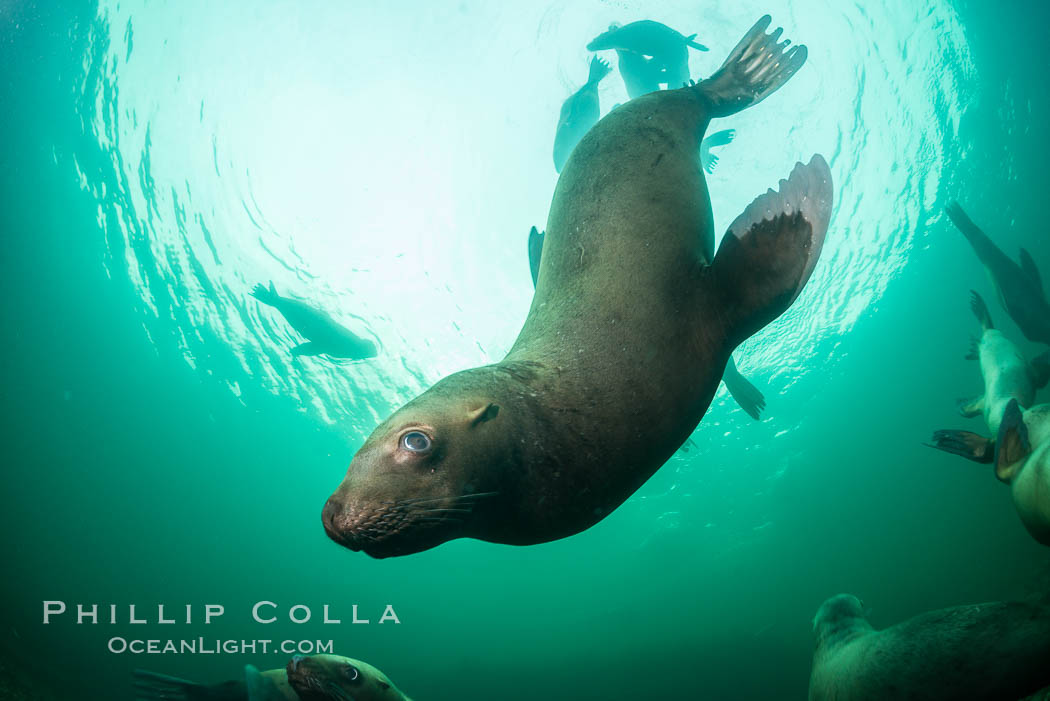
{"x":842,"y":613}
{"x":335,"y":678}
{"x":425,"y":473}
{"x":605,"y":40}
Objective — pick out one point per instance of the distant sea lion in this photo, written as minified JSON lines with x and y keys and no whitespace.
{"x":1019,"y":287}
{"x":325,"y":335}
{"x":579,"y":113}
{"x":630,"y":329}
{"x":271,"y":685}
{"x":668,"y":49}
{"x":995,"y":651}
{"x":335,"y":678}
{"x":747,"y":396}
{"x":1021,"y":450}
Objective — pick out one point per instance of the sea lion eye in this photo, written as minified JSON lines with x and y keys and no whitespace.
{"x":351,"y":673}
{"x":416,"y":442}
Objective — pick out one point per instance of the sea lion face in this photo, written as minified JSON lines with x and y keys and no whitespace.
{"x":605,"y":40}
{"x":416,"y":481}
{"x":335,"y":678}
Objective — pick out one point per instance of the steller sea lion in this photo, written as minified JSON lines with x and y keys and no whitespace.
{"x":630,"y":329}
{"x":996,"y":651}
{"x":1019,"y":287}
{"x":271,"y":685}
{"x":335,"y":678}
{"x":719,"y":138}
{"x":326,"y":336}
{"x":641,"y":74}
{"x":1021,"y":450}
{"x":669,"y":51}
{"x":579,"y":113}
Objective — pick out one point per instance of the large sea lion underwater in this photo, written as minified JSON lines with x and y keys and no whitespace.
{"x":313,"y":678}
{"x":630,"y":329}
{"x":744,"y":393}
{"x":579,"y":113}
{"x":1020,"y":452}
{"x":1019,"y":287}
{"x":996,"y":651}
{"x":324,"y":335}
{"x":668,"y":49}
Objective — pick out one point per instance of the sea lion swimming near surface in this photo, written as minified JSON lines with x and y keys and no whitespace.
{"x":579,"y":113}
{"x":668,"y":49}
{"x":325,"y":335}
{"x":1019,"y":287}
{"x":995,"y":651}
{"x":335,"y":678}
{"x":313,"y":678}
{"x":630,"y":329}
{"x":1021,"y":450}
{"x":746,"y":395}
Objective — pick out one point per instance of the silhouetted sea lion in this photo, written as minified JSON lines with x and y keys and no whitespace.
{"x":668,"y":49}
{"x":1019,"y":287}
{"x":1021,"y":450}
{"x":579,"y":113}
{"x":629,"y":332}
{"x":271,"y":685}
{"x":325,"y":335}
{"x":996,"y":651}
{"x":335,"y":678}
{"x":746,"y":395}
{"x":641,"y":74}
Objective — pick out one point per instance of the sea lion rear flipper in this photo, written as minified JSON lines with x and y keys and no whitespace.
{"x":971,"y":407}
{"x":535,"y":252}
{"x":965,"y":444}
{"x":755,"y":69}
{"x":1028,"y":266}
{"x":746,"y":394}
{"x":1012,"y":446}
{"x":690,"y":41}
{"x":1039,"y":370}
{"x":308,"y":348}
{"x":980,"y":310}
{"x":598,"y":70}
{"x":770,"y":251}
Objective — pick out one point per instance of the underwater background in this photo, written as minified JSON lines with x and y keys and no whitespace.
{"x":385,"y":161}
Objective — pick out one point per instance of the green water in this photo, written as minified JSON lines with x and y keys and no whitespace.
{"x":385,"y":162}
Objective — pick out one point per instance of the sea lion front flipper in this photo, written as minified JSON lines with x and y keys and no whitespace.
{"x":972,"y":407}
{"x":690,"y":41}
{"x":746,"y":394}
{"x":1028,"y":266}
{"x":756,"y":68}
{"x":308,"y":348}
{"x":770,"y":251}
{"x":980,"y":310}
{"x":535,"y":252}
{"x":964,"y":444}
{"x":1012,"y":446}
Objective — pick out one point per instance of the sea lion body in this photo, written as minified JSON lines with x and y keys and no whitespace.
{"x":996,"y":651}
{"x":325,"y":335}
{"x":579,"y":113}
{"x":1019,"y":287}
{"x":641,"y":74}
{"x":271,"y":685}
{"x":1020,"y":451}
{"x":628,"y":334}
{"x":669,"y":49}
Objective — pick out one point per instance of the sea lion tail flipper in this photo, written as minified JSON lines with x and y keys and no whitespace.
{"x":1012,"y":445}
{"x":770,"y":251}
{"x":708,"y":159}
{"x":264,"y":295}
{"x":746,"y":394}
{"x":980,"y":310}
{"x":308,"y":348}
{"x":690,"y":41}
{"x":719,"y":138}
{"x":535,"y":252}
{"x":150,"y":686}
{"x":599,"y":69}
{"x":755,"y":69}
{"x":1029,"y":268}
{"x":1039,"y":370}
{"x":965,"y":444}
{"x":971,"y":407}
